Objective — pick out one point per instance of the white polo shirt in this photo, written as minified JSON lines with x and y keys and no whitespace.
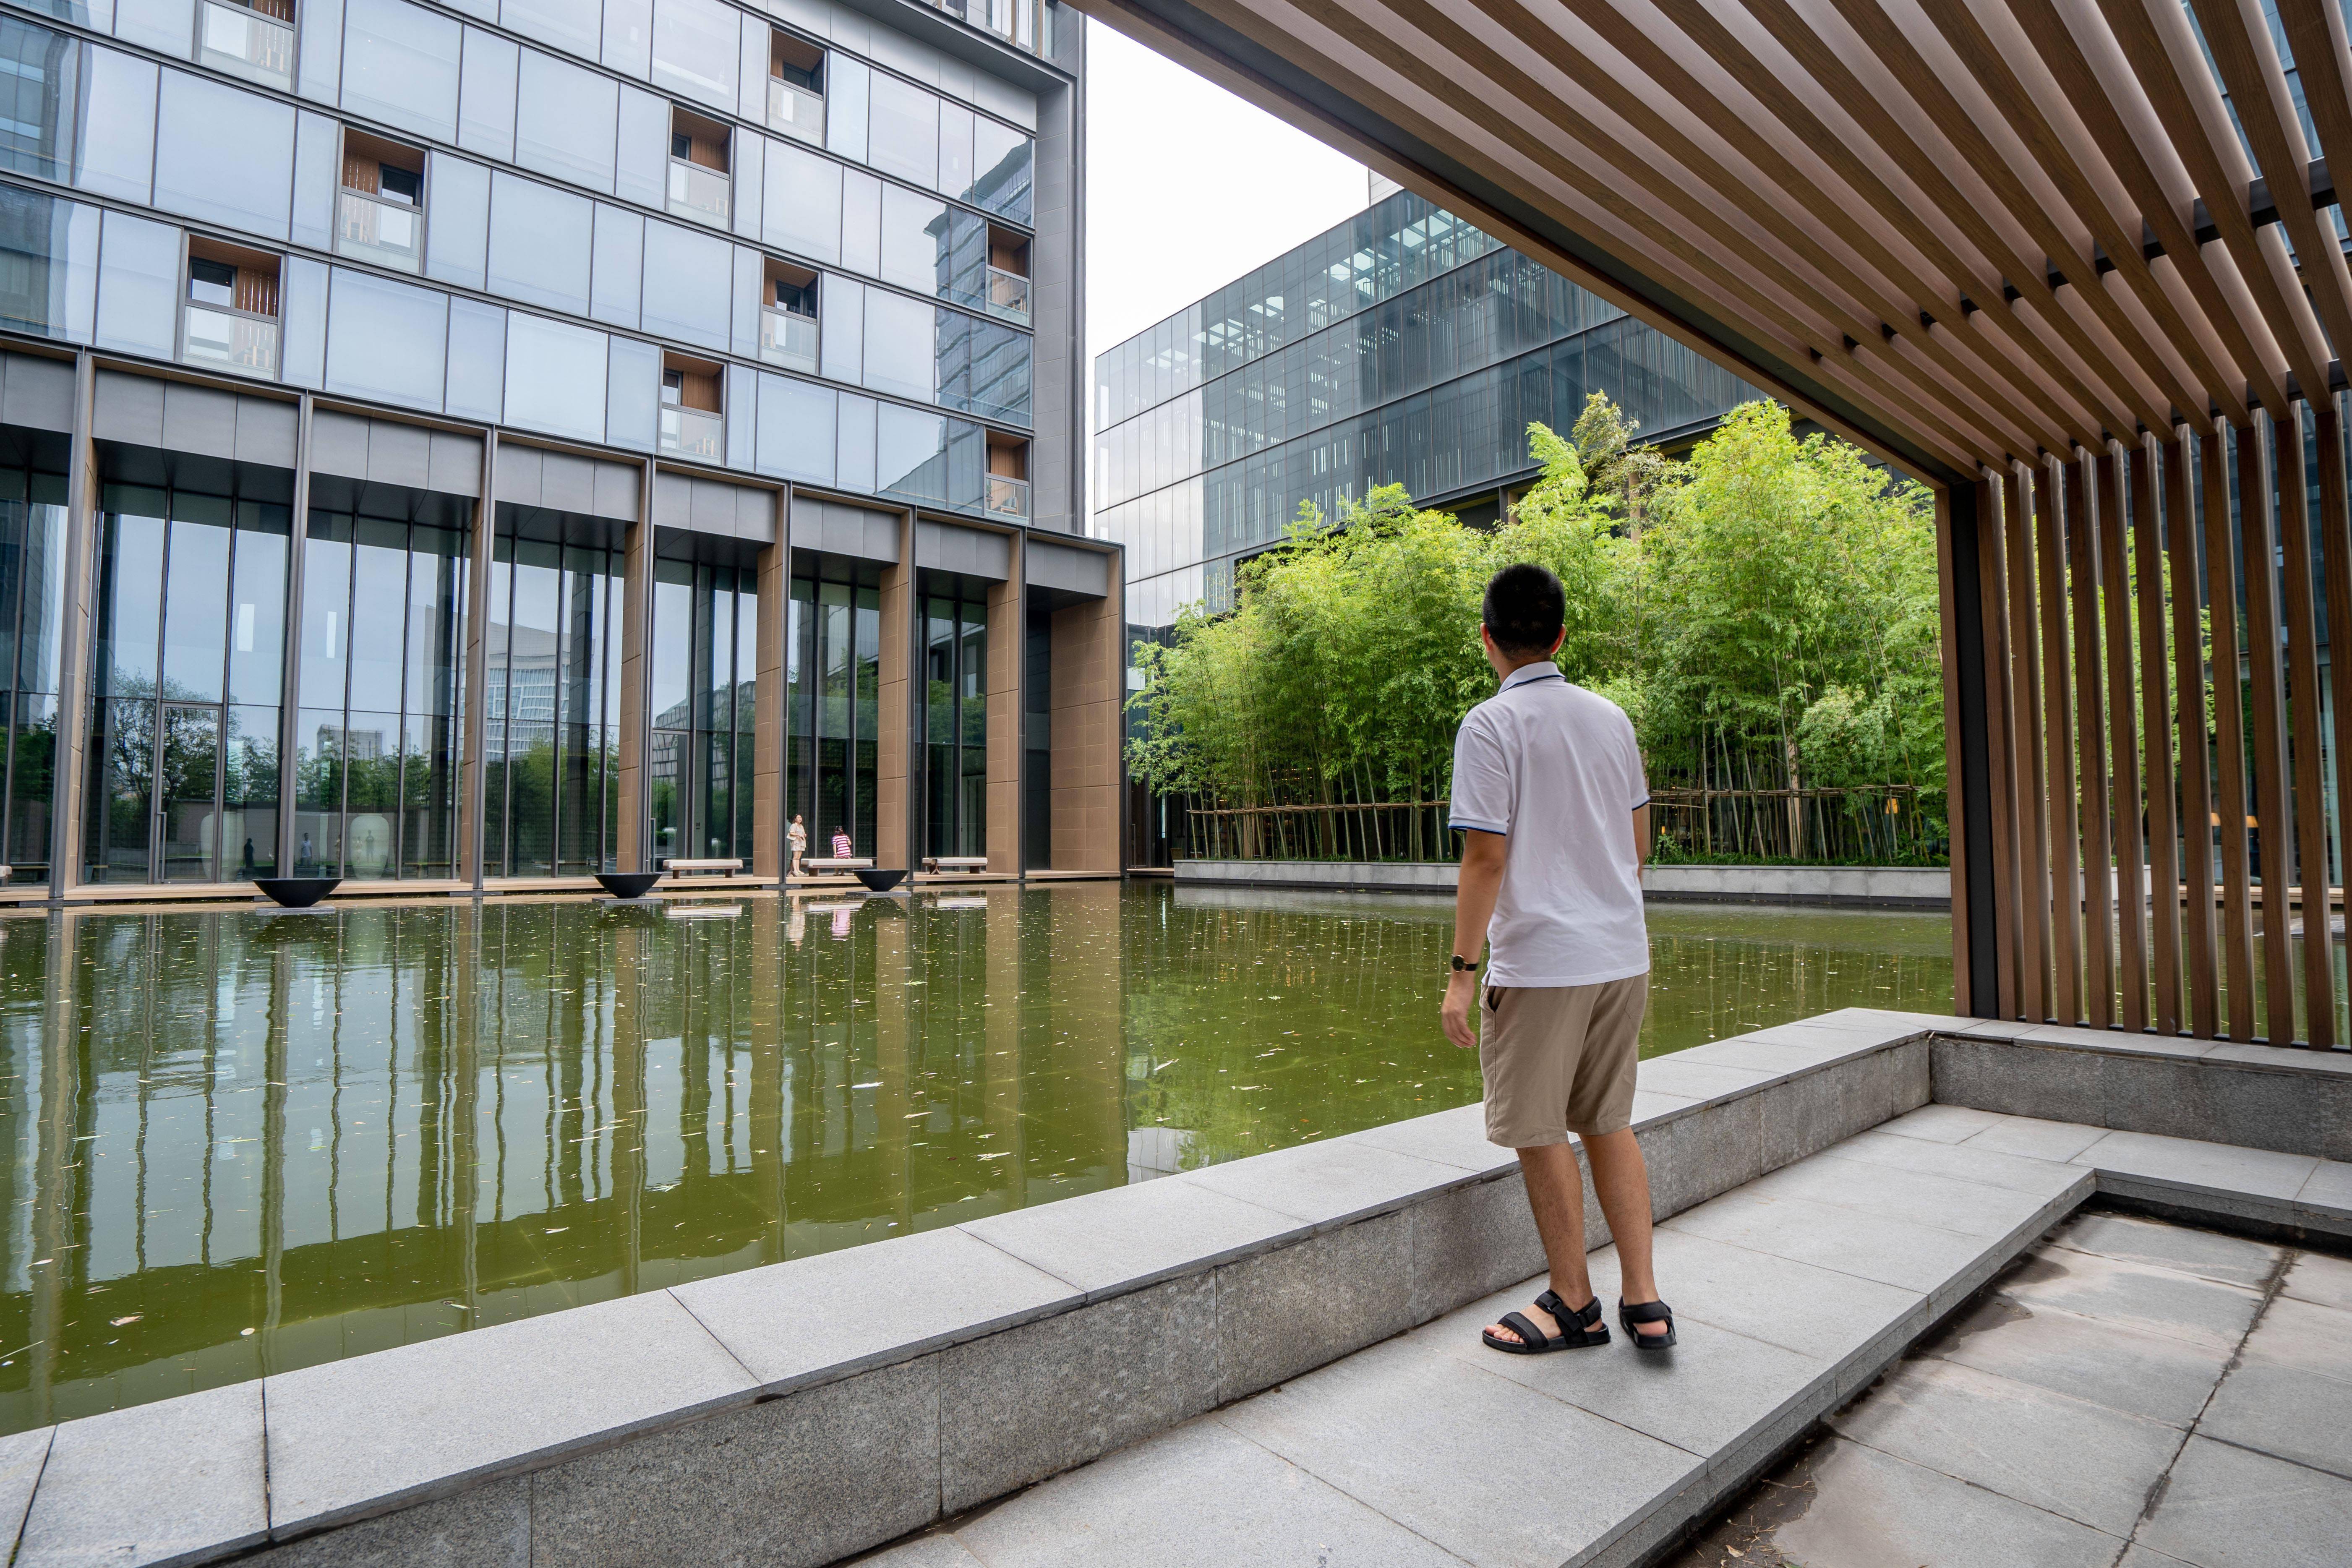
{"x":1555,"y":768}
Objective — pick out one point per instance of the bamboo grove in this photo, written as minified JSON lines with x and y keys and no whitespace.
{"x":1765,"y":609}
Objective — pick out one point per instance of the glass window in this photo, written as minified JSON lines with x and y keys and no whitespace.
{"x":186,"y":607}
{"x":841,"y":337}
{"x":899,"y":355}
{"x":634,"y":388}
{"x":696,"y":44}
{"x":642,"y":172}
{"x":224,"y":156}
{"x":910,"y":451}
{"x":385,"y":341}
{"x":618,"y":266}
{"x":575,"y":26}
{"x":477,"y":347}
{"x":552,"y":743}
{"x":795,"y":435}
{"x":541,"y":243}
{"x":629,"y":36}
{"x":904,"y":138}
{"x":456,"y":242}
{"x":955,"y":150}
{"x":139,"y":286}
{"x":1002,"y":157}
{"x":555,"y":377}
{"x":159,"y":24}
{"x":861,"y":223}
{"x":687,"y":279}
{"x":400,"y":66}
{"x":39,"y":272}
{"x":303,"y":321}
{"x":801,"y":210}
{"x":486,"y":107}
{"x":845,"y":106}
{"x":117,"y":155}
{"x":564,"y":120}
{"x":915,"y":240}
{"x":854,"y":442}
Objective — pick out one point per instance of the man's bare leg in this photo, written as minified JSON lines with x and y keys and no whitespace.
{"x":1556,"y":1195}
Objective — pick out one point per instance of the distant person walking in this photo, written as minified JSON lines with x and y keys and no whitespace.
{"x":841,"y":845}
{"x":1548,"y":795}
{"x":796,"y":839}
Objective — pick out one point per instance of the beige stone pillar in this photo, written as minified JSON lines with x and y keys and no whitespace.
{"x":69,"y":777}
{"x":894,"y":750}
{"x":636,"y":635}
{"x":768,"y":810}
{"x":1007,"y":657}
{"x":1089,"y":687}
{"x":472,"y":813}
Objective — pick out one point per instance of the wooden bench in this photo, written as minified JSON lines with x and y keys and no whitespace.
{"x":847,"y":863}
{"x":726,"y":867}
{"x":937,"y":863}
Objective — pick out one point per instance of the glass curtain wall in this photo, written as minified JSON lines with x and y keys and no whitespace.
{"x":32,"y":615}
{"x":834,"y":663}
{"x":375,"y":760}
{"x":705,"y":675}
{"x":955,"y":726}
{"x":188,"y":672}
{"x":553,"y":736}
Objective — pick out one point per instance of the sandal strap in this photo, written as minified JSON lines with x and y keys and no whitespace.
{"x":1647,"y":1312}
{"x":1583,"y":1317}
{"x":1518,"y":1323}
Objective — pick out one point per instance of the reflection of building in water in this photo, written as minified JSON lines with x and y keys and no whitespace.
{"x":1153,"y":1152}
{"x":343,"y":1131}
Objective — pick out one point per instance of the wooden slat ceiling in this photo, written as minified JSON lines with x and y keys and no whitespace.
{"x":1967,"y":233}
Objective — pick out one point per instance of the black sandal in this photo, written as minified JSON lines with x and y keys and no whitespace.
{"x":1645,"y":1312}
{"x":1577,"y":1330}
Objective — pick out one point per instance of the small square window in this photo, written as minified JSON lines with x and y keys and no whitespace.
{"x":799,"y":298}
{"x":212,"y":283}
{"x":402,"y":184}
{"x":673,"y":386}
{"x":681,"y":145}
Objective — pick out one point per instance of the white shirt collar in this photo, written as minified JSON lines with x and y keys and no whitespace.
{"x":1541,"y":669}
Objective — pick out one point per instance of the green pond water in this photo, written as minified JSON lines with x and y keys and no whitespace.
{"x":241,"y":1143}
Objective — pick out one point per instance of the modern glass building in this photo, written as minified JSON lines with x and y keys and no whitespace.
{"x":1402,"y":347}
{"x":449,"y":444}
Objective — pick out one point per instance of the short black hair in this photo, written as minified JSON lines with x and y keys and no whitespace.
{"x":1524,"y":609}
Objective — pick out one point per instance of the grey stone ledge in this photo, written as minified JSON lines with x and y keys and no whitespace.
{"x":352,"y":1440}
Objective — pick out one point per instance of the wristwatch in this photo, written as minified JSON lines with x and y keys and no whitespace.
{"x":1464,"y":965}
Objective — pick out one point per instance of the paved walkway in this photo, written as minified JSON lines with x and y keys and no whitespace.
{"x":2132,"y":1393}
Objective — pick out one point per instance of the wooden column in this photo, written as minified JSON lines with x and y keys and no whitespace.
{"x":2309,"y":790}
{"x":2229,"y":731}
{"x":69,"y":774}
{"x":2156,"y":741}
{"x":1008,"y":662}
{"x":2124,"y":806}
{"x":2001,"y":799}
{"x":2026,"y":750}
{"x":2058,"y":746}
{"x":2090,"y":740}
{"x":2258,"y":534}
{"x":635,"y":850}
{"x":768,"y":808}
{"x":2335,"y":559}
{"x":894,"y":733}
{"x":2197,"y":959}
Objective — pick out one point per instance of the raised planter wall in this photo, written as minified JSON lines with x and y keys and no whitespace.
{"x":1901,"y":887}
{"x":795,"y":1413}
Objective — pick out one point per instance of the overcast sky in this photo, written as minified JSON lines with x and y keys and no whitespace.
{"x":1188,"y":187}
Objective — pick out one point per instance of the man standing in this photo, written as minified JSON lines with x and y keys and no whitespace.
{"x":1550,"y":797}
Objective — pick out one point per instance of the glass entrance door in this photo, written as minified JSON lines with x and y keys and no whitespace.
{"x":189,"y":826}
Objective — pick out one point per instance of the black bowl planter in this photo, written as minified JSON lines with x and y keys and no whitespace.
{"x":881,"y":881}
{"x":627,"y":884}
{"x":297,"y":892}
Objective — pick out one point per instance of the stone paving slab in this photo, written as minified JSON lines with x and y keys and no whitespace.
{"x":2227,"y":1507}
{"x":151,"y":1485}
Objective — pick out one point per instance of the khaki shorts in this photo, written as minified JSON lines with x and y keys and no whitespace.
{"x":1559,"y":1060}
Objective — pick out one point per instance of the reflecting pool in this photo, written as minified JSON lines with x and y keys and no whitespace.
{"x":242,"y":1143}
